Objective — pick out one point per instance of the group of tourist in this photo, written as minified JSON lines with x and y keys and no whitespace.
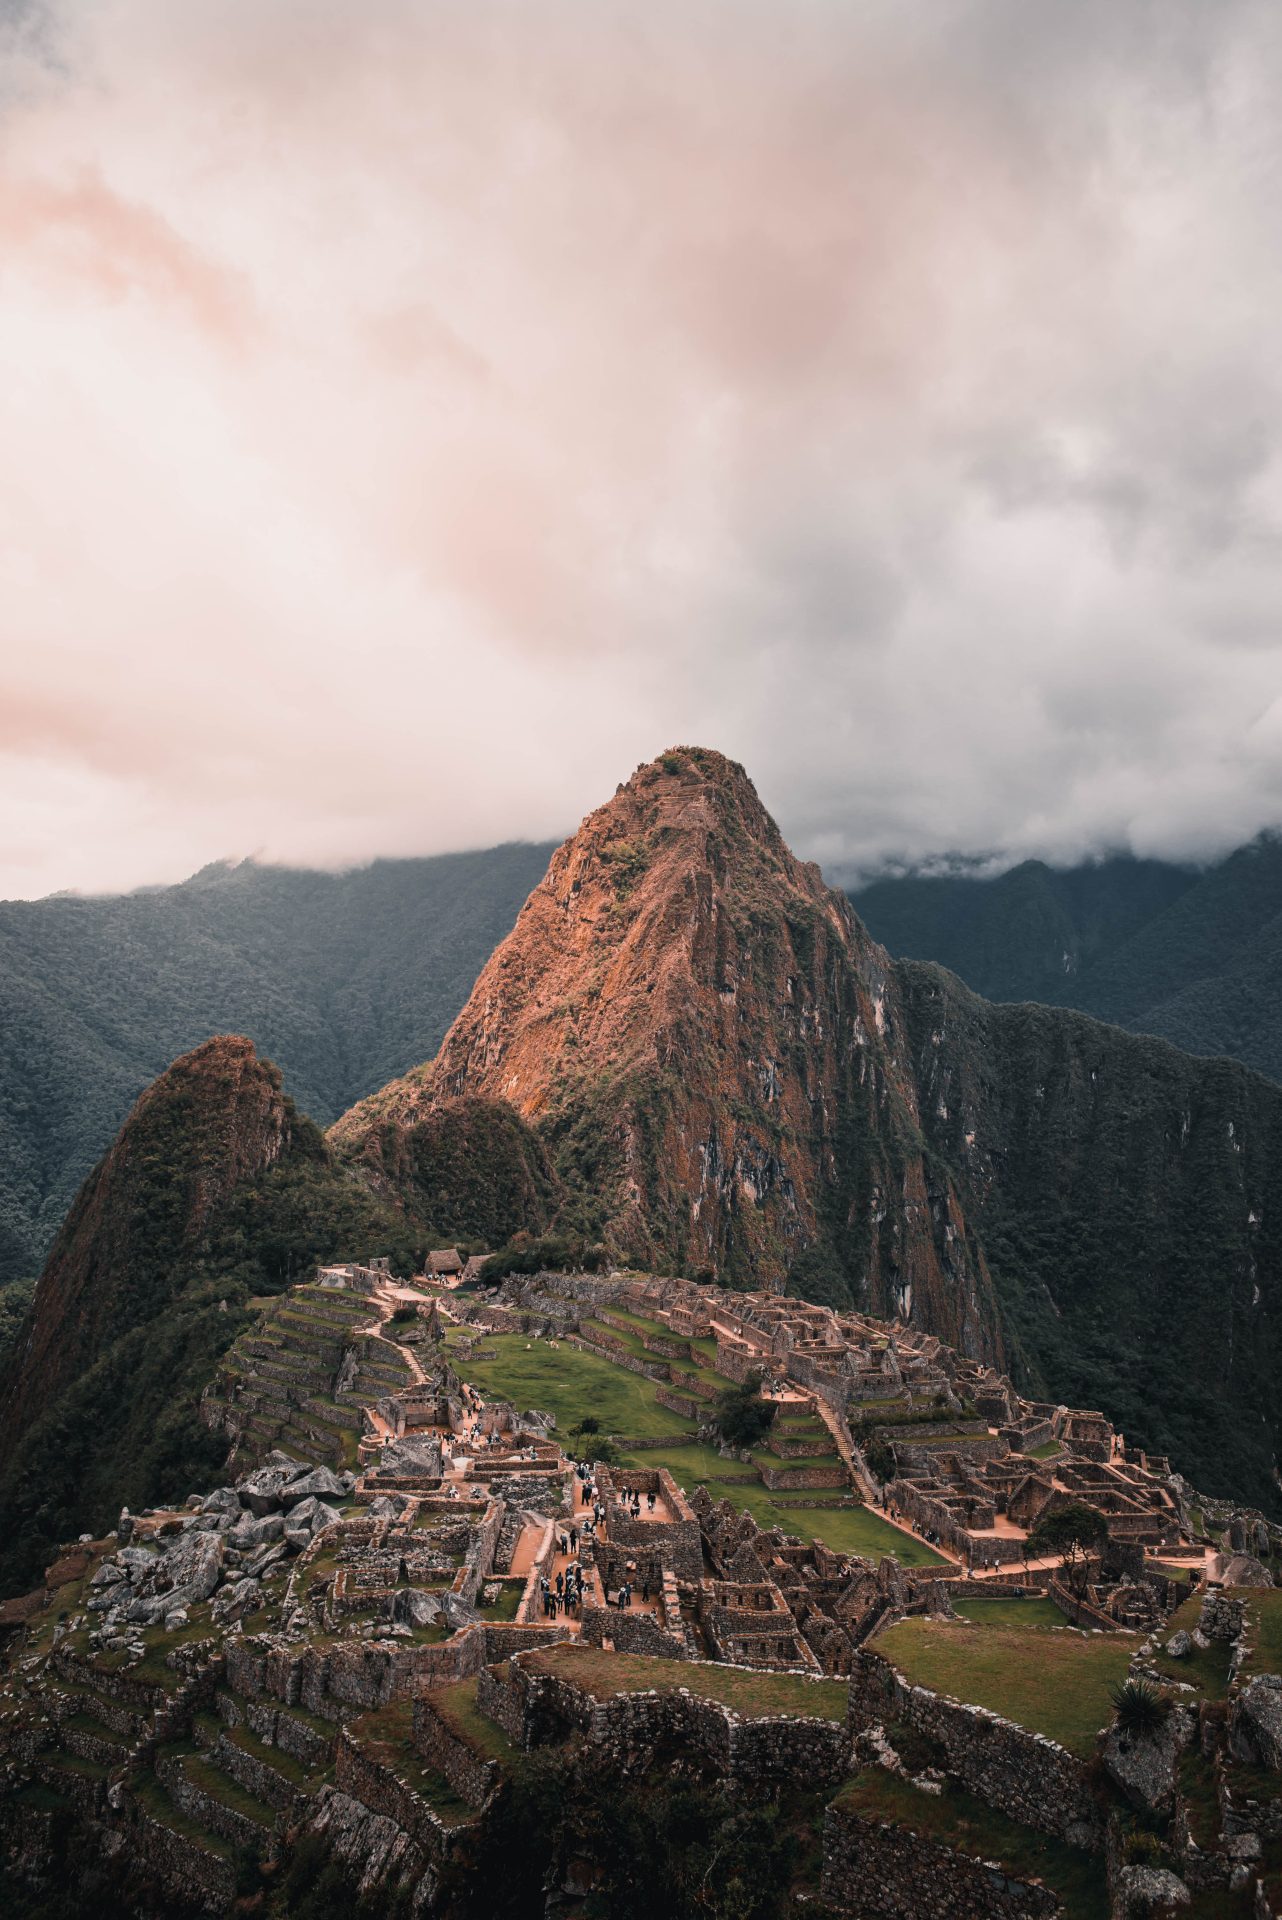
{"x":564,"y":1594}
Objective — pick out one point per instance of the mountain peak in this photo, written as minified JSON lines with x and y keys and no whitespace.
{"x":707,"y":1040}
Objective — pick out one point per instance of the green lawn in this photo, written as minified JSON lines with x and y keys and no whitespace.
{"x":1055,"y":1682}
{"x":1048,"y":1450}
{"x":959,"y":1820}
{"x":568,"y":1383}
{"x":605,"y":1674}
{"x":857,"y":1530}
{"x":1004,"y":1610}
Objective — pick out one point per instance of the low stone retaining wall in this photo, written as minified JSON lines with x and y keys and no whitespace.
{"x":630,"y":1632}
{"x":193,"y":1872}
{"x":1023,"y":1775}
{"x":781,"y":1479}
{"x":473,"y":1778}
{"x":631,"y":1728}
{"x":256,"y":1776}
{"x":683,"y":1403}
{"x":214,"y":1815}
{"x":620,"y":1357}
{"x":381,"y":1789}
{"x":884,"y":1872}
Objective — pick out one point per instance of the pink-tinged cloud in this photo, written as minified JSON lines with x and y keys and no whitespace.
{"x":414,"y":415}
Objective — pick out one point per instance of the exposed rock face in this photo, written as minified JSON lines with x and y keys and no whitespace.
{"x":1255,"y":1733}
{"x":217,"y":1117}
{"x":714,"y":1050}
{"x":1144,"y":1766}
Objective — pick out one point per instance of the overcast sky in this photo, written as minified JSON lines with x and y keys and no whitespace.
{"x":415,"y":414}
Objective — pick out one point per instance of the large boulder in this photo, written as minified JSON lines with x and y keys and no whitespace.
{"x":317,"y":1483}
{"x":1145,"y":1891}
{"x":262,"y":1491}
{"x":417,"y":1608}
{"x":221,"y":1500}
{"x":1255,"y":1729}
{"x":1244,"y":1570}
{"x":306,"y":1519}
{"x":250,"y":1532}
{"x":1144,"y":1765}
{"x":237,"y":1599}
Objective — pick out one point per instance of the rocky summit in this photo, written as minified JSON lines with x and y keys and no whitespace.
{"x":716,"y":1054}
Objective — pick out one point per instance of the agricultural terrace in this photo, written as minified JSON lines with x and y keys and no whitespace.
{"x":1051,"y":1680}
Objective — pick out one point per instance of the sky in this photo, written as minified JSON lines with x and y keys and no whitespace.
{"x":414,"y":415}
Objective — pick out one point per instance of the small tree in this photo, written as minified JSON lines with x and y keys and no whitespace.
{"x":742,"y":1417}
{"x":599,"y":1447}
{"x":588,"y":1424}
{"x":1074,"y":1532}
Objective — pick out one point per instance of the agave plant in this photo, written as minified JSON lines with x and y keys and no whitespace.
{"x":1139,"y":1708}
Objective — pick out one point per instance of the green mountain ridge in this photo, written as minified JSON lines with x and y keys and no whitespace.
{"x":340,"y":978}
{"x":1193,"y":957}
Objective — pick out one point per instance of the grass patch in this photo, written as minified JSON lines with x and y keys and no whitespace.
{"x":1006,"y":1610}
{"x":457,"y":1707}
{"x":752,"y":1694}
{"x":957,"y":1819}
{"x":568,"y":1383}
{"x":1049,"y":1450}
{"x":504,"y":1608}
{"x":1206,"y":1668}
{"x":1052,"y":1681}
{"x":857,"y":1530}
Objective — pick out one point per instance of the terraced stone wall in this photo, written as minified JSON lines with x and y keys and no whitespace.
{"x":1022,"y":1775}
{"x":882,"y":1872}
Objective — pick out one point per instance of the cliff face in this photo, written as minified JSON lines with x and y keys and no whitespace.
{"x":713,"y":1049}
{"x":215,"y":1119}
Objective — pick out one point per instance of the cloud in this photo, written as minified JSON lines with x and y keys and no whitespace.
{"x":427,"y":413}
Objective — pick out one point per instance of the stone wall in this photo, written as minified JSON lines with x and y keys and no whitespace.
{"x":781,"y":1478}
{"x":686,"y":1404}
{"x":630,"y":1632}
{"x":473,"y":1778}
{"x":195,"y":1873}
{"x":380,"y":1788}
{"x":1022,"y":1775}
{"x":884,"y":1872}
{"x":630,"y":1729}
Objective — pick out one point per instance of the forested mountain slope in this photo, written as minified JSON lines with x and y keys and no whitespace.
{"x":343,"y":979}
{"x":1128,"y":1198}
{"x":1195,"y":957}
